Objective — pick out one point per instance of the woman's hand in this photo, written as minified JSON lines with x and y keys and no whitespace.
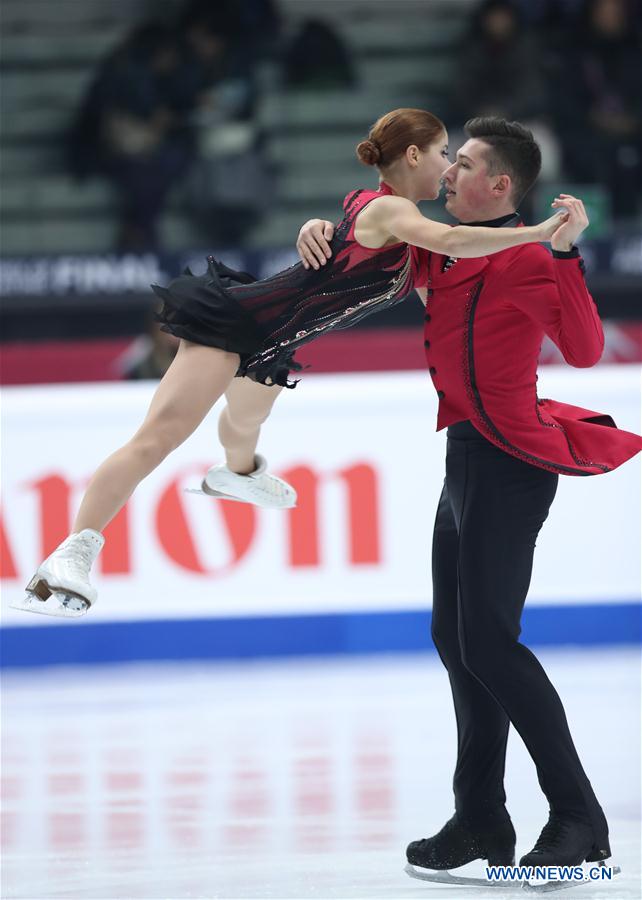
{"x":571,"y":228}
{"x":546,"y":229}
{"x":312,"y":243}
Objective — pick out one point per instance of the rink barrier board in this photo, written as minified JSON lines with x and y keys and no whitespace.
{"x":361,"y":350}
{"x":84,"y":643}
{"x":347,"y":572}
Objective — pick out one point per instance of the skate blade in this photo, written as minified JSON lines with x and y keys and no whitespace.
{"x":206,"y":491}
{"x":444,"y":877}
{"x":59,"y":603}
{"x":437,"y":876}
{"x":549,"y":886}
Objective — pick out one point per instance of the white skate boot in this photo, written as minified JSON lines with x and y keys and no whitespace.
{"x":259,"y":487}
{"x":61,"y":584}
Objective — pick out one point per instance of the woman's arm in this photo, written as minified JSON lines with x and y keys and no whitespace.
{"x":313,"y":242}
{"x":400,"y":218}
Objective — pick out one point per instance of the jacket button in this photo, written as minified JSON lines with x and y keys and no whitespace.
{"x":441,"y":395}
{"x":430,"y":292}
{"x":432,"y":370}
{"x":427,"y":317}
{"x":426,"y":344}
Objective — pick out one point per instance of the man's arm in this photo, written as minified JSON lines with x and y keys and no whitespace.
{"x":313,"y":243}
{"x":552,"y":291}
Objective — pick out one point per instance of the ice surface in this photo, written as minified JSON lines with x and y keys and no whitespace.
{"x":277,"y":780}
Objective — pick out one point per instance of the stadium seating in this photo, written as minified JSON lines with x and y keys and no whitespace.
{"x":50,"y":52}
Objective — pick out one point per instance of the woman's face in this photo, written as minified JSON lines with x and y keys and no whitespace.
{"x":433,"y":162}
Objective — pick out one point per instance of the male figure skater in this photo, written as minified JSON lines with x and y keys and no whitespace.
{"x":484,"y":323}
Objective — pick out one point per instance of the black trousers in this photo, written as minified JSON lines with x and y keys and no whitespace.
{"x":490,"y":513}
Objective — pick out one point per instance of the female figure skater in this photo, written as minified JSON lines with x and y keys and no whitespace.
{"x":231,"y":325}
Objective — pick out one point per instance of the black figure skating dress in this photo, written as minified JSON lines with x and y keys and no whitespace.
{"x":266,"y":321}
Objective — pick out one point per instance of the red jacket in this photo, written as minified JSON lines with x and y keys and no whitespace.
{"x":484,"y":325}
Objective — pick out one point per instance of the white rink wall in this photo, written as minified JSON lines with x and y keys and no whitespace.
{"x":363,"y":453}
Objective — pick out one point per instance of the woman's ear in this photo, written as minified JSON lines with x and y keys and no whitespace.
{"x":412,"y":155}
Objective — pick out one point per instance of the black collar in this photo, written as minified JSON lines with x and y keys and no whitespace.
{"x":510,"y":220}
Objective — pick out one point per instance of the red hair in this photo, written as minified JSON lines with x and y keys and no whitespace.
{"x":392,"y":134}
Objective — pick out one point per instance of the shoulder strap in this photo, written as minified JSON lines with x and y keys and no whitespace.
{"x":352,"y":206}
{"x":356,"y":201}
{"x":350,"y":200}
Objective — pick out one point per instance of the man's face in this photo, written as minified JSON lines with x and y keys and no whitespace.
{"x":470,"y":190}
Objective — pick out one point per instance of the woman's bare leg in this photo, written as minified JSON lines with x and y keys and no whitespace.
{"x":248,"y":406}
{"x":195,"y":380}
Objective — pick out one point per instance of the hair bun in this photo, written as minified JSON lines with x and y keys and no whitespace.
{"x":369,"y":153}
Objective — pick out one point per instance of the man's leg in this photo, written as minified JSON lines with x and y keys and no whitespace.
{"x":481,"y":827}
{"x":500,"y":504}
{"x":482,"y":724}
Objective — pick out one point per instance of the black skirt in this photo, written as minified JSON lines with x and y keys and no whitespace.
{"x":201,"y":309}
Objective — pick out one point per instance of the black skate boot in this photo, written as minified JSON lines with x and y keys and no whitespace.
{"x":457,"y":844}
{"x":566,"y":841}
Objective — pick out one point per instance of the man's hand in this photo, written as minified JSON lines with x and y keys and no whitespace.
{"x":567,"y":234}
{"x":312,"y":244}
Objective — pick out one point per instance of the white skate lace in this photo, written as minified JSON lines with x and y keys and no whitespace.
{"x":271,"y":486}
{"x":80,"y":555}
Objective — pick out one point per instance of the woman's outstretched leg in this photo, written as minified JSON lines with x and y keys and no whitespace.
{"x":193,"y":383}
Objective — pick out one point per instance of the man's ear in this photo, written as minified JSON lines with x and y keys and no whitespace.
{"x":502,"y":185}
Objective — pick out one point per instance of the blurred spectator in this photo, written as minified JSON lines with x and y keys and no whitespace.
{"x":548,"y":14}
{"x":131,"y":128}
{"x":251,"y":26}
{"x":600,"y":104}
{"x":497,"y":71}
{"x":501,"y":72}
{"x":150,"y":355}
{"x":168,"y":101}
{"x":211,"y":60}
{"x":230,"y":185}
{"x":318,"y":58}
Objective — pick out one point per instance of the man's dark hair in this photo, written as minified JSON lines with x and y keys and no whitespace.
{"x":512,"y":151}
